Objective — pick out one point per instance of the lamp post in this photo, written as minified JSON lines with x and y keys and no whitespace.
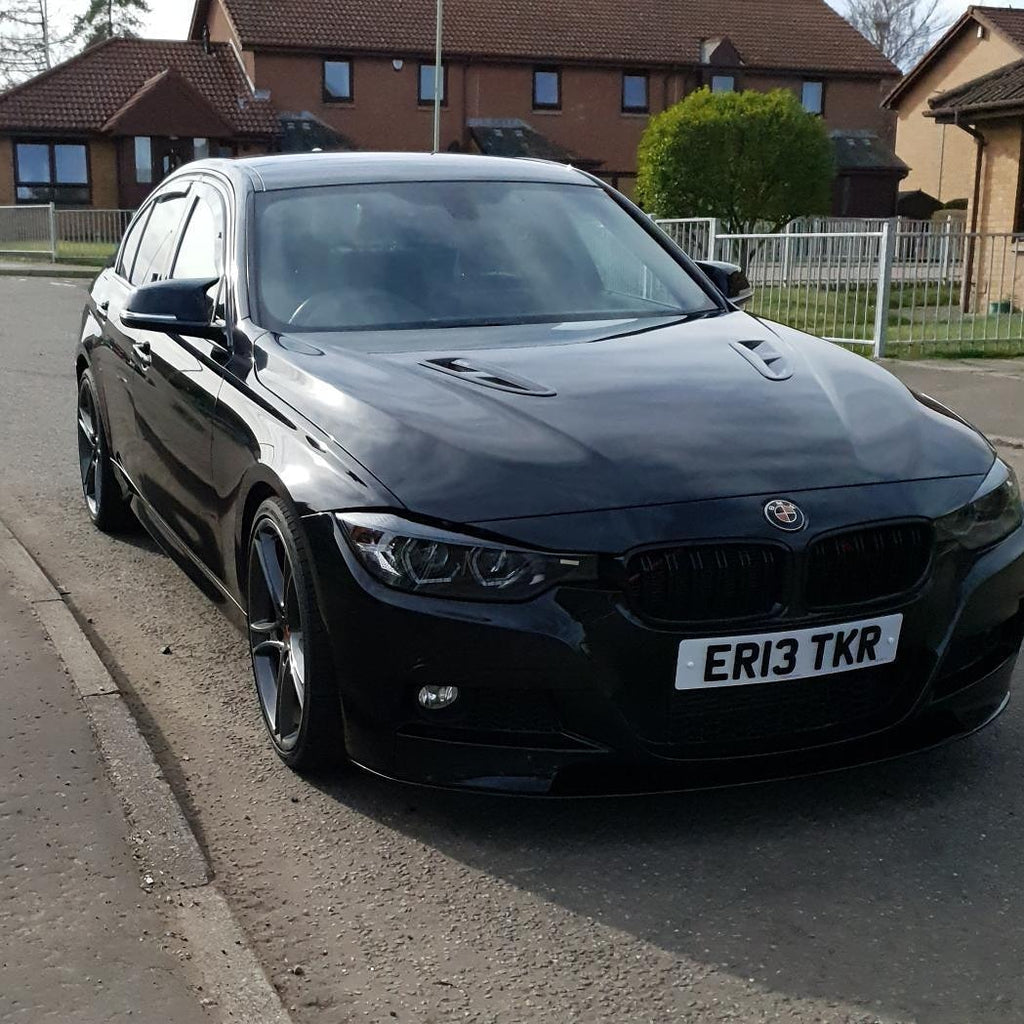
{"x":438,"y":76}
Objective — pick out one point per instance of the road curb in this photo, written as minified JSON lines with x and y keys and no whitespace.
{"x":55,"y":270}
{"x":233,"y":981}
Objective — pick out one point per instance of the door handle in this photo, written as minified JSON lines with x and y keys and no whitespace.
{"x":104,"y":305}
{"x":142,"y":352}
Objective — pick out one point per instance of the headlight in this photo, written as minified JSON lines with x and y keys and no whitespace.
{"x":423,"y":560}
{"x":992,"y":513}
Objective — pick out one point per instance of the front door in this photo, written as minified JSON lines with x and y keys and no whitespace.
{"x":174,"y":391}
{"x":145,"y":161}
{"x":124,"y":352}
{"x":169,"y":155}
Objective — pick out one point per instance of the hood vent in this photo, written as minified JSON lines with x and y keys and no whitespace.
{"x":488,"y":376}
{"x":765,"y":357}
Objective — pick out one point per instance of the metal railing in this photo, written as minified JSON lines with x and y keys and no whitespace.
{"x":92,"y":227}
{"x":897,"y":286}
{"x":52,"y":233}
{"x":694,"y":235}
{"x":823,"y":283}
{"x":28,"y":231}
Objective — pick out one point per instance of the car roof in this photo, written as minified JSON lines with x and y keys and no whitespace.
{"x":305,"y":170}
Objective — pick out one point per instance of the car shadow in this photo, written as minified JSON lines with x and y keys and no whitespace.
{"x":895,"y":887}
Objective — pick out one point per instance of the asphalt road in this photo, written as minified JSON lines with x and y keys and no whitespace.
{"x":887,"y":893}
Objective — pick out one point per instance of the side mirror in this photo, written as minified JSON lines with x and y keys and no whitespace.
{"x":729,"y":279}
{"x":174,"y":307}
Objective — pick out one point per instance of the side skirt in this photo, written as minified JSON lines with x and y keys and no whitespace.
{"x":169,"y":542}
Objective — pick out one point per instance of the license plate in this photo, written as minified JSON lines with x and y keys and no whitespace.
{"x":795,"y":654}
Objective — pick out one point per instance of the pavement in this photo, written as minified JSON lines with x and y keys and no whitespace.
{"x":890,"y":893}
{"x":988,"y":392}
{"x":84,"y":938}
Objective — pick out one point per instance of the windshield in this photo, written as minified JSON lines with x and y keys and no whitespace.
{"x":462,"y":253}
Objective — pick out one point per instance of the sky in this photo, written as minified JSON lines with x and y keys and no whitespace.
{"x":168,"y":19}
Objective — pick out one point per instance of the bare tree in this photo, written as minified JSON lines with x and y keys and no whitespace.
{"x":902,"y":29}
{"x":24,"y":40}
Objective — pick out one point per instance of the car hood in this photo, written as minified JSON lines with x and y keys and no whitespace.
{"x":472,"y":424}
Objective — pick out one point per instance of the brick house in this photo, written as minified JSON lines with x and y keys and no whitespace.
{"x":940,"y":156}
{"x":100,"y":129}
{"x":988,"y":112}
{"x":577,"y":79}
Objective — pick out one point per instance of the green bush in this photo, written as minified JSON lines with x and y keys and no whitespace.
{"x":746,"y":158}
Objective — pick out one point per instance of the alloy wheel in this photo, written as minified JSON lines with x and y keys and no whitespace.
{"x":88,"y":446}
{"x":277,"y":636}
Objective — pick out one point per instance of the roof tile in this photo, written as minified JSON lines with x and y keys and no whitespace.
{"x":793,"y":34}
{"x":1009,"y":21}
{"x":997,"y":89}
{"x":83,"y":93}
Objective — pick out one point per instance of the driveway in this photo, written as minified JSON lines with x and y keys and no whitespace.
{"x":894,"y":892}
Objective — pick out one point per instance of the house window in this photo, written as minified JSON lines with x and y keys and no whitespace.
{"x":337,"y":81}
{"x":200,"y":148}
{"x":723,"y":83}
{"x":634,"y":92}
{"x":143,"y":160}
{"x":52,"y":172}
{"x":547,"y":89}
{"x":812,"y":96}
{"x":426,"y":84}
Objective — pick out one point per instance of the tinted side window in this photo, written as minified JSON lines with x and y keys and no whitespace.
{"x":201,"y":253}
{"x":131,"y":245}
{"x":157,"y":243}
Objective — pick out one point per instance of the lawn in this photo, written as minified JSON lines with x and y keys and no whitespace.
{"x":924,"y":319}
{"x":92,"y":253}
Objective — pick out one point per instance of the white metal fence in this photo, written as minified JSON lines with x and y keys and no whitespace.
{"x":48,"y":232}
{"x":901,"y":287}
{"x":28,"y":230}
{"x":92,"y":227}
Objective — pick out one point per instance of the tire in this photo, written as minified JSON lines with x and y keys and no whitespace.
{"x":291,"y":658}
{"x":104,"y":500}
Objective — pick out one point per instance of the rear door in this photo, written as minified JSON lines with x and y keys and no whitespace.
{"x":175,"y":387}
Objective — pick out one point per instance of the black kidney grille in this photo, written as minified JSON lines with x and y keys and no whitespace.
{"x":867,"y":564}
{"x":706,"y":582}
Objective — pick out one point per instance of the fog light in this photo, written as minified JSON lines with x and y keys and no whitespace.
{"x":434,"y":697}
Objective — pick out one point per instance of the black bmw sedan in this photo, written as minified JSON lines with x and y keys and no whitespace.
{"x":507,"y":493}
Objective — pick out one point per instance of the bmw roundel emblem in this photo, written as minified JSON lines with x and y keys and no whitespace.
{"x":785,"y":515}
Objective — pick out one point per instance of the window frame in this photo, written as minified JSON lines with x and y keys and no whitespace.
{"x":547,"y":69}
{"x":715,"y":78}
{"x":200,"y":190}
{"x":646,"y":108}
{"x":328,"y":97}
{"x":53,"y":185}
{"x":180,"y":189}
{"x":141,"y":219}
{"x":429,"y":100}
{"x":820,"y":112}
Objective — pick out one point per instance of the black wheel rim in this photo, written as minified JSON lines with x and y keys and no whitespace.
{"x":277,"y":637}
{"x":88,"y":446}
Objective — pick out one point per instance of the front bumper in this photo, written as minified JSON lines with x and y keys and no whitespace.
{"x":572,"y":694}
